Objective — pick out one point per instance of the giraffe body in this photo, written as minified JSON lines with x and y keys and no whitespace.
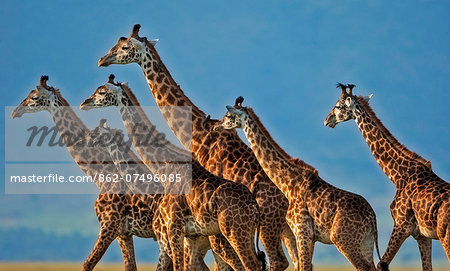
{"x":421,"y":206}
{"x":222,"y":153}
{"x":318,"y":211}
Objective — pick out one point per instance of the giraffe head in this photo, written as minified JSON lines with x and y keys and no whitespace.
{"x":105,"y":95}
{"x":344,"y":109}
{"x":234,"y":118}
{"x":127,"y":50}
{"x":43,"y":97}
{"x":103,"y":136}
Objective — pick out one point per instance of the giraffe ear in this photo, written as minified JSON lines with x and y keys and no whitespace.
{"x":124,"y":84}
{"x":154,"y":41}
{"x":137,"y":43}
{"x":349,"y":101}
{"x":43,"y":90}
{"x":368,"y":97}
{"x":112,"y":87}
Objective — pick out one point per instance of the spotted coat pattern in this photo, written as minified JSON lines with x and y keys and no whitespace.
{"x":318,"y":211}
{"x":214,"y":207}
{"x":421,"y":206}
{"x":120,"y":216}
{"x":222,"y":153}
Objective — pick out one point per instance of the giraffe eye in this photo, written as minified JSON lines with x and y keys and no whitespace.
{"x":125,"y":47}
{"x":102,"y":92}
{"x":34,"y":97}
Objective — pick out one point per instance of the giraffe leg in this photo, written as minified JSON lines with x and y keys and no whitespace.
{"x":166,"y":254}
{"x":223,"y":250}
{"x":355,"y":256}
{"x":164,"y":260}
{"x":398,"y":236}
{"x":425,"y":252}
{"x":367,"y":246}
{"x":126,"y":245}
{"x":176,"y":241}
{"x":220,"y":264}
{"x":105,"y":237}
{"x":289,"y":241}
{"x":243,"y":244}
{"x":355,"y":244}
{"x":305,"y":246}
{"x":272,"y":225}
{"x":239,"y":230}
{"x":445,"y":241}
{"x":354,"y":251}
{"x":443,"y":227}
{"x":305,"y":243}
{"x":270,"y":237}
{"x":194,"y":252}
{"x":203,"y":247}
{"x":160,"y":226}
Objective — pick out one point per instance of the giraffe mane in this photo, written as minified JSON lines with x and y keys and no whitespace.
{"x":399,"y":146}
{"x":295,"y":161}
{"x":68,"y":107}
{"x":172,"y":81}
{"x":130,"y":94}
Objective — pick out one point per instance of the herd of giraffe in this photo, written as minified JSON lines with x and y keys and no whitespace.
{"x":239,"y":194}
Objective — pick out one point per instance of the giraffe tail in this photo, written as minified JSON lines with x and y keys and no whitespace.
{"x":259,"y":254}
{"x":383,"y":265}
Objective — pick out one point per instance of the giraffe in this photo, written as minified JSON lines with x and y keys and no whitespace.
{"x":421,"y":206}
{"x":222,"y":153}
{"x":318,"y":211}
{"x":129,"y":165}
{"x":120,"y":215}
{"x":226,"y":204}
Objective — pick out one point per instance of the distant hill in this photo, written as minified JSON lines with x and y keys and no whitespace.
{"x":24,"y":244}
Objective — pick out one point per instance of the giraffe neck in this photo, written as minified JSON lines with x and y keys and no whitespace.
{"x":281,"y":168}
{"x":132,"y":169}
{"x":168,"y":93}
{"x":394,"y":158}
{"x":73,"y":130}
{"x":160,"y":155}
{"x":68,"y":124}
{"x":150,"y":144}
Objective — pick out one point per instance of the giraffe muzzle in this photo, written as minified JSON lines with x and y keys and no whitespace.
{"x":330,"y":121}
{"x":87,"y":104}
{"x":18,"y":112}
{"x":106,"y":60}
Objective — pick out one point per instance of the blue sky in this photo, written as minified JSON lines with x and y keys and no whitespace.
{"x":284,"y":57}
